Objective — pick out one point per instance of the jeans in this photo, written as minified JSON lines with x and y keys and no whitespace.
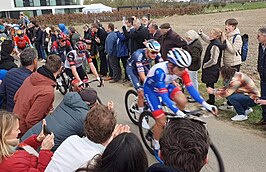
{"x":241,"y":102}
{"x":263,"y":96}
{"x":194,"y":79}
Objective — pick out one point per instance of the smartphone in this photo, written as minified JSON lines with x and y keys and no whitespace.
{"x":46,"y":131}
{"x":149,"y":16}
{"x":124,"y":19}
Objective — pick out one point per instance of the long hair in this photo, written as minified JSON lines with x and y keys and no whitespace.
{"x":123,"y":154}
{"x":7,"y":122}
{"x":227,"y":72}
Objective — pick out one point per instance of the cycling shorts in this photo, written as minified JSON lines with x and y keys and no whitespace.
{"x":154,"y":100}
{"x":80,"y":71}
{"x":134,"y":78}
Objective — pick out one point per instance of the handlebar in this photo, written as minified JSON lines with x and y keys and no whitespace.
{"x":86,"y":82}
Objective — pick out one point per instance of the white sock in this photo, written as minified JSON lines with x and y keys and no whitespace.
{"x":156,"y":144}
{"x":141,"y":109}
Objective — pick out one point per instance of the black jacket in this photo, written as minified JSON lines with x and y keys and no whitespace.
{"x":161,"y":168}
{"x":195,"y":50}
{"x":211,"y":74}
{"x":262,"y":63}
{"x":137,"y":37}
{"x":101,"y":34}
{"x":7,"y":61}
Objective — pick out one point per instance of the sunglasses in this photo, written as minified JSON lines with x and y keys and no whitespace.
{"x":81,"y":51}
{"x":63,"y":40}
{"x":154,"y":52}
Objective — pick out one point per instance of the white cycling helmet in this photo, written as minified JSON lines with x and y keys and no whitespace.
{"x":179,"y":57}
{"x":153,"y":45}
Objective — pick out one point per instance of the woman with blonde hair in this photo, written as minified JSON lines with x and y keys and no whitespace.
{"x":212,"y":59}
{"x":15,"y":156}
{"x":195,"y":50}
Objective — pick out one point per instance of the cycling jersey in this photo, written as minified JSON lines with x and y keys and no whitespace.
{"x":62,"y":51}
{"x":73,"y":59}
{"x":138,"y":62}
{"x":158,"y":84}
{"x":22,"y":43}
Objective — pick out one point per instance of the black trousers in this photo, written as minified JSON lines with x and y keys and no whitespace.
{"x":103,"y":63}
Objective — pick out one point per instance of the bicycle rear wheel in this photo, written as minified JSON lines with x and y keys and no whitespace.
{"x":146,"y":134}
{"x":131,"y":103}
{"x":215,"y":161}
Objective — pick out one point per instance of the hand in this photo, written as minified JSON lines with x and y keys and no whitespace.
{"x":180,"y":114}
{"x":223,"y":37}
{"x":260,"y":101}
{"x":210,"y":90}
{"x":200,"y":31}
{"x":48,"y":142}
{"x":110,"y":105}
{"x":97,"y":40}
{"x":211,"y":108}
{"x":119,"y":128}
{"x":41,"y":136}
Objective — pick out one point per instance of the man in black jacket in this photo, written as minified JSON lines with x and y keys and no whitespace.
{"x":262,"y":69}
{"x":138,"y":36}
{"x":39,"y":42}
{"x":6,"y":60}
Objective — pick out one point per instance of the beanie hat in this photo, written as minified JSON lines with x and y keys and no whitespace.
{"x":88,"y":95}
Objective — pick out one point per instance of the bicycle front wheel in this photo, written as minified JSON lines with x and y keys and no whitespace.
{"x":215,"y":161}
{"x":131,"y":103}
{"x":146,"y":123}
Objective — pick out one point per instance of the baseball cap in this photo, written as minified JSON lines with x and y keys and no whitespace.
{"x":165,"y":26}
{"x":88,"y":95}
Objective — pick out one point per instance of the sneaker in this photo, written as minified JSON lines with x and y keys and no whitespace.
{"x":248,"y":111}
{"x":156,"y":154}
{"x":108,"y":78}
{"x":145,"y":125}
{"x":239,"y":117}
{"x":226,"y":107}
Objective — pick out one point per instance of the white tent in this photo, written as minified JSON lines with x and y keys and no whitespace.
{"x":96,"y":8}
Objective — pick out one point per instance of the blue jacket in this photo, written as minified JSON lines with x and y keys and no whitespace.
{"x":63,"y":28}
{"x":110,"y":44}
{"x":66,"y":120}
{"x":122,"y":45}
{"x":11,"y":83}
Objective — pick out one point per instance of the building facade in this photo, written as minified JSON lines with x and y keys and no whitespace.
{"x":12,"y":8}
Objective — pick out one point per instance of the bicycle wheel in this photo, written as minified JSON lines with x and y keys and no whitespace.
{"x":131,"y":103}
{"x":146,"y":134}
{"x":215,"y":161}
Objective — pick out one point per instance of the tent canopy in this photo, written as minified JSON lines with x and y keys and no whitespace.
{"x":96,"y":8}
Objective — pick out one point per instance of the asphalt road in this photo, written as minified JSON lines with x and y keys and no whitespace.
{"x":243,"y":150}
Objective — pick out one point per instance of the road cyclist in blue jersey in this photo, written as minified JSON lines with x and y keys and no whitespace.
{"x":138,"y":66}
{"x":160,"y":87}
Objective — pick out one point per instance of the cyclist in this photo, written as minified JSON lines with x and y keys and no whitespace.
{"x":138,"y":66}
{"x":61,"y":46}
{"x":73,"y":65}
{"x":21,"y":41}
{"x":160,"y":84}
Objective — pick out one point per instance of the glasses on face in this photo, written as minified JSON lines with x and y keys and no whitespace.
{"x":62,"y":40}
{"x":154,"y":52}
{"x":81,"y":51}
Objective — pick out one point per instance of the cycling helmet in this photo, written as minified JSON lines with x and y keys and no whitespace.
{"x":179,"y":57}
{"x":61,"y":36}
{"x":20,"y":33}
{"x":80,"y":46}
{"x":153,"y":45}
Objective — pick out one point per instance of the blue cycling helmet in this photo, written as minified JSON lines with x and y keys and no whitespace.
{"x":153,"y":45}
{"x":179,"y":57}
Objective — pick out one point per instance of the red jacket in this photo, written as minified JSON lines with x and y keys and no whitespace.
{"x":22,"y":161}
{"x":33,"y":100}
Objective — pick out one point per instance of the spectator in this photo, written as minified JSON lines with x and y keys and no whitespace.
{"x":240,"y":90}
{"x":63,"y":28}
{"x":100,"y":37}
{"x":3,"y":35}
{"x":233,"y":40}
{"x":170,"y":39}
{"x":24,"y":156}
{"x":212,"y":60}
{"x":262,"y":69}
{"x":53,"y":34}
{"x":145,"y":21}
{"x":74,"y":36}
{"x":124,"y":154}
{"x":195,"y":49}
{"x":154,"y":31}
{"x":89,"y":38}
{"x":39,"y":42}
{"x":98,"y":126}
{"x":47,"y":40}
{"x":67,"y":118}
{"x":30,"y":31}
{"x":111,"y":50}
{"x":138,"y":35}
{"x":130,"y":29}
{"x":179,"y":136}
{"x":7,"y":61}
{"x":34,"y":99}
{"x":23,"y":19}
{"x":15,"y":77}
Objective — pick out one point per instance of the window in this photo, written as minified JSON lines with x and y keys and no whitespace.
{"x":18,"y":3}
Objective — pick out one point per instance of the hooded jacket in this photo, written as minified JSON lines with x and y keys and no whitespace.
{"x":232,"y":52}
{"x":161,"y":168}
{"x":66,"y":120}
{"x":7,"y":61}
{"x":34,"y":99}
{"x":63,"y":28}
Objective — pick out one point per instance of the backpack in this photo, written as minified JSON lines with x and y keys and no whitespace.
{"x":244,"y":48}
